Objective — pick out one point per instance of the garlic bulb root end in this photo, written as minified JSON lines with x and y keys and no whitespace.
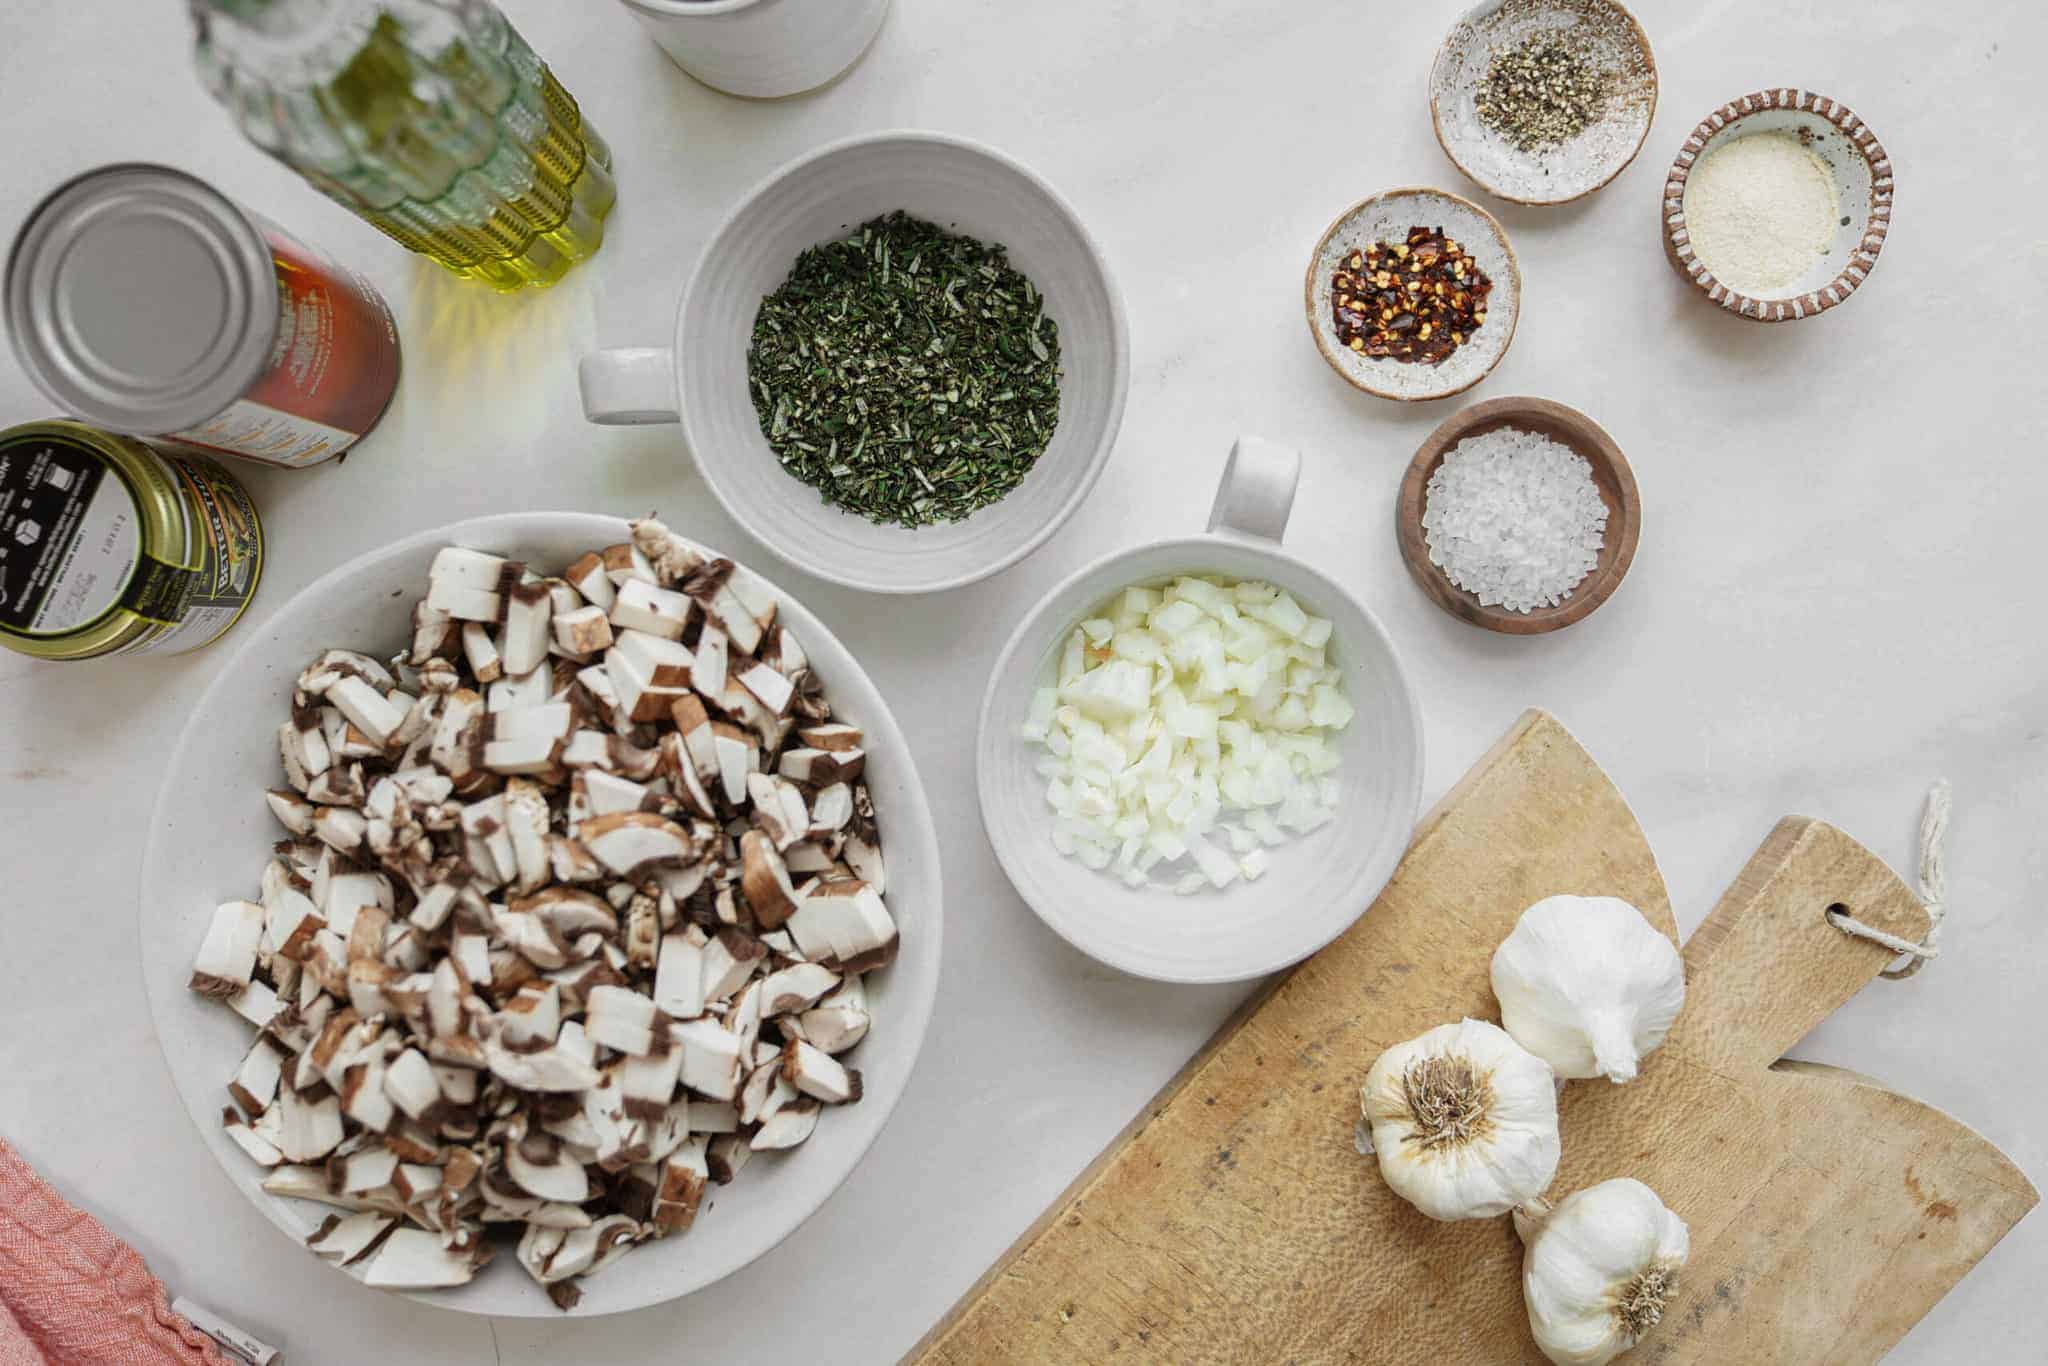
{"x":1463,"y":1121}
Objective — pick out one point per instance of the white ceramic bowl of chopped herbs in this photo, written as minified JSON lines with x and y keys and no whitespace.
{"x":815,"y":458}
{"x":1200,"y":759}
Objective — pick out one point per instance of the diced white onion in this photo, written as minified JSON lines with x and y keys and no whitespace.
{"x":1179,"y":706}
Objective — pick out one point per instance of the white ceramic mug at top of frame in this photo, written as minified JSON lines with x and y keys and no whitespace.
{"x":762,"y":48}
{"x":1317,"y":884}
{"x":701,"y":380}
{"x":211,"y":833}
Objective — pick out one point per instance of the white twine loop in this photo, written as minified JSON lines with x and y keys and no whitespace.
{"x":1933,"y":893}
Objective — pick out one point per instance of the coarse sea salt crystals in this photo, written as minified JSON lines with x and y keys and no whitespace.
{"x":1514,"y":518}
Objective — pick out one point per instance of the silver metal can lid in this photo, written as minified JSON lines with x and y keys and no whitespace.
{"x":141,"y":299}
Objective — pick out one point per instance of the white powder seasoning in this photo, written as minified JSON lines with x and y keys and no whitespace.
{"x":1761,"y":210}
{"x":1514,"y":518}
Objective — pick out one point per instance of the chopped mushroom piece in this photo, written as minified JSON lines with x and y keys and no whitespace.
{"x":679,"y":978}
{"x":544,"y":1168}
{"x":367,"y":709}
{"x":586,"y":575}
{"x":680,"y":1188}
{"x":711,"y":1057}
{"x":432,"y":630}
{"x":836,"y":737}
{"x":293,"y":812}
{"x":787,"y":1127}
{"x":843,"y":923}
{"x":481,"y":651}
{"x":765,"y":879}
{"x":629,"y":841}
{"x":839,"y":1021}
{"x":583,"y":632}
{"x":340,"y":828}
{"x":467,"y":584}
{"x":725,"y":1155}
{"x":410,"y":1082}
{"x":227,"y":957}
{"x":414,"y":1259}
{"x":796,"y":987}
{"x":769,"y":687}
{"x":729,"y":960}
{"x":623,"y":562}
{"x":621,"y":1019}
{"x":307,"y":1129}
{"x":641,"y":606}
{"x":260,"y":1149}
{"x":346,"y":1239}
{"x":529,"y":613}
{"x":817,"y":1074}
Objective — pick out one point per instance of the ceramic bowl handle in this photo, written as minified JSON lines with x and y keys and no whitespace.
{"x":629,"y":386}
{"x":1257,"y":490}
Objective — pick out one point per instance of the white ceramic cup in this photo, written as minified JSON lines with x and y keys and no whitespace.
{"x":701,"y":380}
{"x":761,"y":48}
{"x":1318,"y":884}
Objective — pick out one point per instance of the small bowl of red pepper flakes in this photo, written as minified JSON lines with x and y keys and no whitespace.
{"x":1414,"y":294}
{"x":1416,"y":300}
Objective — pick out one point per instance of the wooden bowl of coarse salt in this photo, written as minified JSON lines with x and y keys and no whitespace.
{"x":1778,"y":205}
{"x":1519,"y":515}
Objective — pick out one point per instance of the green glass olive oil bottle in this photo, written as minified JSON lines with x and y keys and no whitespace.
{"x":430,"y":119}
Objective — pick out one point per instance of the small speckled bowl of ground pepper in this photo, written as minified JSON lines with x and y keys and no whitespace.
{"x":1543,"y":101}
{"x":1413,"y":294}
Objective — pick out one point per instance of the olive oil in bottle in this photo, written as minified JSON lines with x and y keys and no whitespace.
{"x":430,"y":119}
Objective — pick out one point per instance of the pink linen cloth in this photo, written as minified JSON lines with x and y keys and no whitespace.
{"x":72,"y":1294}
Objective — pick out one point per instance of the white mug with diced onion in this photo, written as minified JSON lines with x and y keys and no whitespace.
{"x":762,"y":48}
{"x":1311,"y":887}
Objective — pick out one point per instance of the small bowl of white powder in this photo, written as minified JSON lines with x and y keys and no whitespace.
{"x":1778,"y":205}
{"x":1519,"y":515}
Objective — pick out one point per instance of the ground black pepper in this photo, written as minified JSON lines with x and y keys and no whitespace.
{"x":1417,"y":300}
{"x":1543,"y":91}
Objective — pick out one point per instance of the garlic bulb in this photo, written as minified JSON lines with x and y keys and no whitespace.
{"x":1588,"y":985}
{"x":1598,"y":1270}
{"x":1463,"y":1120}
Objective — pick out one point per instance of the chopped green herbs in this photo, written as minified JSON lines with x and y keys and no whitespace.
{"x":907,"y":373}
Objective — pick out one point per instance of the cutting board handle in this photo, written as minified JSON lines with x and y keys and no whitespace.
{"x":1777,"y":968}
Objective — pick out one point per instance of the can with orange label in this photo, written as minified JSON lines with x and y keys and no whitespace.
{"x":143,"y":301}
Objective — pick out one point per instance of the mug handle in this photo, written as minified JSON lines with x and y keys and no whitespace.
{"x":629,"y":386}
{"x":1256,"y":492}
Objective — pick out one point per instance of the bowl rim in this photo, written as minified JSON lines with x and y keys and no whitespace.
{"x":1120,"y":369}
{"x":1862,"y":258}
{"x":913,"y":1024}
{"x":1436,"y":116}
{"x":669,"y":9}
{"x":1315,"y":322}
{"x":1462,"y":603}
{"x":1194,"y":545}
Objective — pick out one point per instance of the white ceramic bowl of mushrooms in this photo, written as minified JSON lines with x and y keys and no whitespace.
{"x":213,"y":834}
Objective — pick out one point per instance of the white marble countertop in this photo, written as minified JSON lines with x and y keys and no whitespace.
{"x":1820,"y":620}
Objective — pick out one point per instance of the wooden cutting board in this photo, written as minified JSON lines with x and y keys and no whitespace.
{"x":1234,"y":1221}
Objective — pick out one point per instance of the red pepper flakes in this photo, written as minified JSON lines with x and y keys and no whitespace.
{"x":1417,"y":301}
